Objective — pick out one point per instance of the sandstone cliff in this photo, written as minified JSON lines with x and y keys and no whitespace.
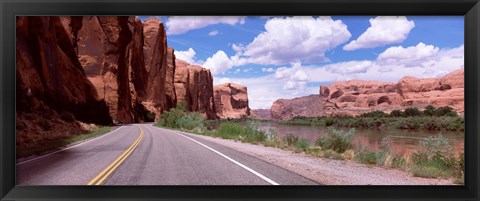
{"x":356,"y":97}
{"x":306,"y":106}
{"x":261,"y":114}
{"x":194,"y":85}
{"x":231,"y":101}
{"x":52,"y":90}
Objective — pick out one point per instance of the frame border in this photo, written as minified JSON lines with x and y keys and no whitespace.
{"x":10,"y":8}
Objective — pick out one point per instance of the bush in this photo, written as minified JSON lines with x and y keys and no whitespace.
{"x":444,"y":111}
{"x":429,"y":110}
{"x":150,"y":117}
{"x":245,"y":133}
{"x":336,"y":140}
{"x":396,"y":113}
{"x":365,"y":156}
{"x":302,"y":145}
{"x":411,"y":112}
{"x":67,"y":116}
{"x":376,"y":114}
{"x":179,"y":118}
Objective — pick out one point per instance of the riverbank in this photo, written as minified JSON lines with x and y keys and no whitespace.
{"x":326,"y":171}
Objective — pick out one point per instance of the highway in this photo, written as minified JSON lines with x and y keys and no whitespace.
{"x":142,"y":154}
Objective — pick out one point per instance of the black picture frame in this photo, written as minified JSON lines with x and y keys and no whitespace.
{"x":11,"y":8}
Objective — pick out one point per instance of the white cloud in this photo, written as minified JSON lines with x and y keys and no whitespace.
{"x":420,"y":55}
{"x":349,"y":67}
{"x":383,"y":30}
{"x":213,"y":33}
{"x":268,"y":70}
{"x":183,"y":24}
{"x":187,"y":55}
{"x":218,"y":63}
{"x":293,"y":39}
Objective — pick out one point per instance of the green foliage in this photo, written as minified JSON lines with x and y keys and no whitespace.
{"x":336,"y":140}
{"x":363,"y":155}
{"x":435,"y":159}
{"x":150,"y":117}
{"x":181,"y":119}
{"x":302,"y":145}
{"x":411,"y":112}
{"x":245,"y":133}
{"x":396,"y":113}
{"x":375,"y":113}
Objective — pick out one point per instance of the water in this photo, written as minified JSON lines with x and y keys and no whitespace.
{"x":401,"y":141}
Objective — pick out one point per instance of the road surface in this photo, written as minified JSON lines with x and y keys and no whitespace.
{"x":142,"y":154}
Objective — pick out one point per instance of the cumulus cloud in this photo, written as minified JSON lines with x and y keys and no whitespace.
{"x":294,"y":78}
{"x":183,"y":24}
{"x":292,"y":39}
{"x":349,"y":67}
{"x":218,"y":63}
{"x":213,"y":33}
{"x":419,"y":55}
{"x":187,"y":55}
{"x":383,"y":30}
{"x":268,"y":70}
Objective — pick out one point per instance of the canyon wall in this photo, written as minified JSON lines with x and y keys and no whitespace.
{"x":306,"y":106}
{"x":231,"y":101}
{"x":115,"y":65}
{"x":355,"y":97}
{"x":261,"y":114}
{"x":194,"y":85}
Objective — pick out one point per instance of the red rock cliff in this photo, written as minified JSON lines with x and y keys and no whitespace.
{"x":306,"y":106}
{"x":231,"y":101}
{"x":194,"y":85}
{"x":357,"y":97}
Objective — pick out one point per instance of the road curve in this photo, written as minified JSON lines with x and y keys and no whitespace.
{"x":142,"y":154}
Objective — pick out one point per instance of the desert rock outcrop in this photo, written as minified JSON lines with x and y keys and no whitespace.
{"x":306,"y":106}
{"x":231,"y":101}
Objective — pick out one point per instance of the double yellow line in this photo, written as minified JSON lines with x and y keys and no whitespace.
{"x":114,"y":165}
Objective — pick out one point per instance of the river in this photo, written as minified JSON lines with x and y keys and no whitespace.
{"x":401,"y":141}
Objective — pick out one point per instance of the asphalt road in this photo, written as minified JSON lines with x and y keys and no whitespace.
{"x":141,"y":154}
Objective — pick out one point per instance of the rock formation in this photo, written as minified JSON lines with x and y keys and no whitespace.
{"x":306,"y":106}
{"x":231,"y":101}
{"x":261,"y":114}
{"x":49,"y":76}
{"x":357,"y":97}
{"x":52,"y":90}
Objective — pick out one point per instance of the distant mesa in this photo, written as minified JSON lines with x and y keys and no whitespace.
{"x":359,"y":96}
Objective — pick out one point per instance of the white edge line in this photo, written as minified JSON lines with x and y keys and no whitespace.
{"x":49,"y":154}
{"x":234,"y":161}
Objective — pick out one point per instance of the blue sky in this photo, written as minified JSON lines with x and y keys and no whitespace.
{"x":286,"y":57}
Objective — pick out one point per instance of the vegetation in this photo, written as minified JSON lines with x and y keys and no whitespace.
{"x":24,"y":150}
{"x":433,"y":119}
{"x":435,"y":159}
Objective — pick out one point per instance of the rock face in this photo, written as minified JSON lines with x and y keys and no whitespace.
{"x":52,"y":90}
{"x":261,"y":114}
{"x":231,"y":101}
{"x":306,"y":106}
{"x":194,"y":85}
{"x":170,"y":95}
{"x":357,"y":97}
{"x":49,"y":75}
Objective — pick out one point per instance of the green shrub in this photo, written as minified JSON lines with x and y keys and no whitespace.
{"x":179,"y":118}
{"x":375,"y":113}
{"x":365,"y":156}
{"x":444,"y":111}
{"x":429,"y":110}
{"x":411,"y":112}
{"x":336,"y":140}
{"x":150,"y":117}
{"x":291,"y":139}
{"x":396,"y":113}
{"x":302,"y":145}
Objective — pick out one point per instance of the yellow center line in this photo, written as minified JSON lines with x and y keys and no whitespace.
{"x":114,"y":165}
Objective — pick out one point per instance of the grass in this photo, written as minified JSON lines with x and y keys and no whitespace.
{"x":434,"y":160}
{"x":59,"y":142}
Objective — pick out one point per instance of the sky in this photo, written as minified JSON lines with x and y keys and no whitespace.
{"x":291,"y":56}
